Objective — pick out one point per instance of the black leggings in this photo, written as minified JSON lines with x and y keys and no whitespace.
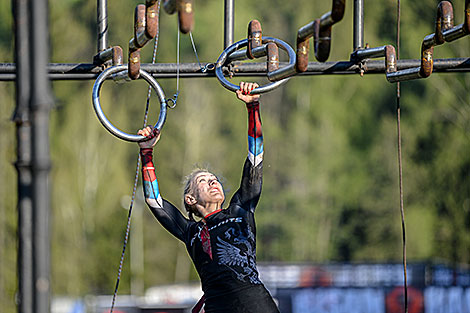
{"x":255,"y":299}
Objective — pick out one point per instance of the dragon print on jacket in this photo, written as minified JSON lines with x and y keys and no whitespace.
{"x":240,"y":256}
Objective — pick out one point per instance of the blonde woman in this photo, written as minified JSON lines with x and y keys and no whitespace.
{"x":221,"y":241}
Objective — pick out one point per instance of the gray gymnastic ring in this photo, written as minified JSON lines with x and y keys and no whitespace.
{"x":102,"y":117}
{"x":243,"y":43}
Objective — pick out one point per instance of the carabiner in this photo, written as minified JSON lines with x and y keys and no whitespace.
{"x":208,"y":67}
{"x":173,"y":101}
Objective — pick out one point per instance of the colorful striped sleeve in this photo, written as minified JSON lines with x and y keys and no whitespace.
{"x":255,"y":135}
{"x":149,"y":178}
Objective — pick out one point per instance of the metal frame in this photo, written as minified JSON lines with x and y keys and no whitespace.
{"x":33,"y":102}
{"x":88,"y":71}
{"x":102,"y":22}
{"x":85,"y":71}
{"x":358,"y":25}
{"x":229,"y":20}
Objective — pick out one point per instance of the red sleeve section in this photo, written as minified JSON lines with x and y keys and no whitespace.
{"x":148,"y":169}
{"x":254,"y":120}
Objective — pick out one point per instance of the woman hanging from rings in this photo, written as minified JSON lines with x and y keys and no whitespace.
{"x":222,"y":243}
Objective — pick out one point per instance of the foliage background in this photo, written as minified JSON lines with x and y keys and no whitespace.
{"x":331,"y":170}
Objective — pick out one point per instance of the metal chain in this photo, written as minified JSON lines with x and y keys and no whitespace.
{"x":400,"y":168}
{"x":136,"y":177}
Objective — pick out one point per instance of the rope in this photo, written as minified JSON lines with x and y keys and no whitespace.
{"x":203,"y":68}
{"x":136,"y":177}
{"x":178,"y":63}
{"x":400,"y":169}
{"x":175,"y":96}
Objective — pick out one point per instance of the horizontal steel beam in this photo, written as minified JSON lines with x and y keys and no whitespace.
{"x":84,"y":71}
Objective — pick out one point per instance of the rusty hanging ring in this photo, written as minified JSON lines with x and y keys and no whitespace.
{"x":224,"y":56}
{"x":255,"y":37}
{"x":185,"y":15}
{"x":102,"y":117}
{"x":185,"y":9}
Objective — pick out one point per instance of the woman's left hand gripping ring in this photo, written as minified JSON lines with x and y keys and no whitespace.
{"x":102,"y":117}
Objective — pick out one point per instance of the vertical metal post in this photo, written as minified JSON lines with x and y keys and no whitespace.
{"x":229,"y":17}
{"x":21,"y":117}
{"x":102,"y":22}
{"x":358,"y":39}
{"x":40,"y":105}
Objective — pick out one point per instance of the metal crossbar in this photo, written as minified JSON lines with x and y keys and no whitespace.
{"x":88,"y":71}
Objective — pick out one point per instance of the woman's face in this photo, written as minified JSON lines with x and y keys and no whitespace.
{"x":208,"y":189}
